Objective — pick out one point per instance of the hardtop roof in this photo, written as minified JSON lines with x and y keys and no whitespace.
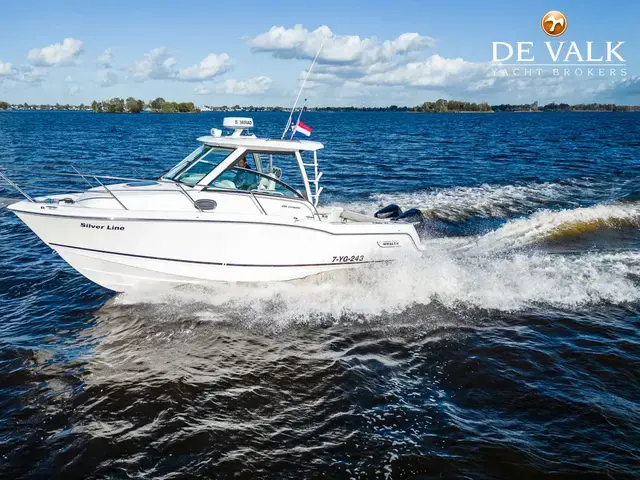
{"x":265,"y":144}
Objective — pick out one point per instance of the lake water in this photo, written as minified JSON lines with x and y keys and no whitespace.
{"x":512,"y":350}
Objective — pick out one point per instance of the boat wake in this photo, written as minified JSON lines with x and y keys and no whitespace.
{"x":506,"y":269}
{"x":548,"y":225}
{"x":458,"y":204}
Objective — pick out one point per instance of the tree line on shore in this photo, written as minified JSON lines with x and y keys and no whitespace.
{"x":565,"y":107}
{"x":442,"y":106}
{"x":160,"y":105}
{"x":44,"y":106}
{"x":133,"y":105}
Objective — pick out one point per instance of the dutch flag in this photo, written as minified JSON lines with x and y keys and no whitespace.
{"x":302,"y":129}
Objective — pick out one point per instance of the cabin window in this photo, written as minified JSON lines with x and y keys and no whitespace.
{"x":197,"y":153}
{"x":193,"y":170}
{"x":268,"y":177}
{"x":251,"y":181}
{"x":284,"y":166}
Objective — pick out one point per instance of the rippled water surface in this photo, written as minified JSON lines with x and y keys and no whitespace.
{"x":512,"y":350}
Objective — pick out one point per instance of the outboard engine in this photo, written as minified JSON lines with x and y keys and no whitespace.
{"x":412,"y":215}
{"x":389,"y":212}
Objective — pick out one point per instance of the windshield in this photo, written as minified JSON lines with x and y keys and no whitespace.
{"x":237,"y":178}
{"x":197,"y":165}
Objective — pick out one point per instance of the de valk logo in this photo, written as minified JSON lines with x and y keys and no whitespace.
{"x":566,"y":57}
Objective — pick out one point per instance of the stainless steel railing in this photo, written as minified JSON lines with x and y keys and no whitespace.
{"x":18,"y":178}
{"x":33,"y":181}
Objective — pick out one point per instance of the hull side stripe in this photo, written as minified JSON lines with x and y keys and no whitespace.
{"x":213,"y":263}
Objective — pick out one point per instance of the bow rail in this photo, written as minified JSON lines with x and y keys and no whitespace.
{"x":21,"y":178}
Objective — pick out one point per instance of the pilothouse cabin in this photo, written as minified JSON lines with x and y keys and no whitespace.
{"x":244,"y":163}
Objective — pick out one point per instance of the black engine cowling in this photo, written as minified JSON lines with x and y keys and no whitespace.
{"x":412,"y":215}
{"x":389,"y":212}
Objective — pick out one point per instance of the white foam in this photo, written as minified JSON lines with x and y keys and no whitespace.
{"x":510,"y":283}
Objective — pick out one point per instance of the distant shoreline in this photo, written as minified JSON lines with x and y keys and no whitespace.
{"x":160,"y":105}
{"x":494,"y":109}
{"x":239,"y":112}
{"x":451,"y":111}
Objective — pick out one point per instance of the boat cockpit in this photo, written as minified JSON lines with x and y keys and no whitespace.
{"x":246,"y":163}
{"x":247,"y":173}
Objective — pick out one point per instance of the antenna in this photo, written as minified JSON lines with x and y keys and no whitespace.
{"x":300,"y":92}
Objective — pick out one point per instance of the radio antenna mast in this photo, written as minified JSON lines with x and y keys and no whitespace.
{"x":300,"y":91}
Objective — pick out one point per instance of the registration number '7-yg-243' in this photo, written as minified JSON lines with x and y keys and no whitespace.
{"x":347,"y":258}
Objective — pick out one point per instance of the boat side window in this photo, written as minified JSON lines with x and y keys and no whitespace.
{"x":199,"y":166}
{"x":284,"y":167}
{"x":248,"y":180}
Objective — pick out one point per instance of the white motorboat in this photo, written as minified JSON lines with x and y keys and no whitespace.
{"x":210,"y":220}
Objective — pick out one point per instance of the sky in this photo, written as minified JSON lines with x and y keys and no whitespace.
{"x":374,"y":53}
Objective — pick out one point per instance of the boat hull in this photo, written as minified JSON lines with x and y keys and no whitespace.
{"x":125,"y":251}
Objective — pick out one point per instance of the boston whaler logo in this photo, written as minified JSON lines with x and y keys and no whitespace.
{"x":558,"y":58}
{"x":388,"y":243}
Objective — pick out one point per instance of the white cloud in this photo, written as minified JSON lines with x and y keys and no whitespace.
{"x":434,"y":72}
{"x":6,"y":69}
{"x":300,"y":43}
{"x":212,"y":66}
{"x":64,"y":53}
{"x":159,"y":64}
{"x":156,"y":64}
{"x":72,"y":86}
{"x":624,"y":90}
{"x":25,"y":74}
{"x":352,"y":63}
{"x":252,"y":86}
{"x":202,"y":90}
{"x":105,"y":58}
{"x":29,"y":74}
{"x":106,"y":77}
